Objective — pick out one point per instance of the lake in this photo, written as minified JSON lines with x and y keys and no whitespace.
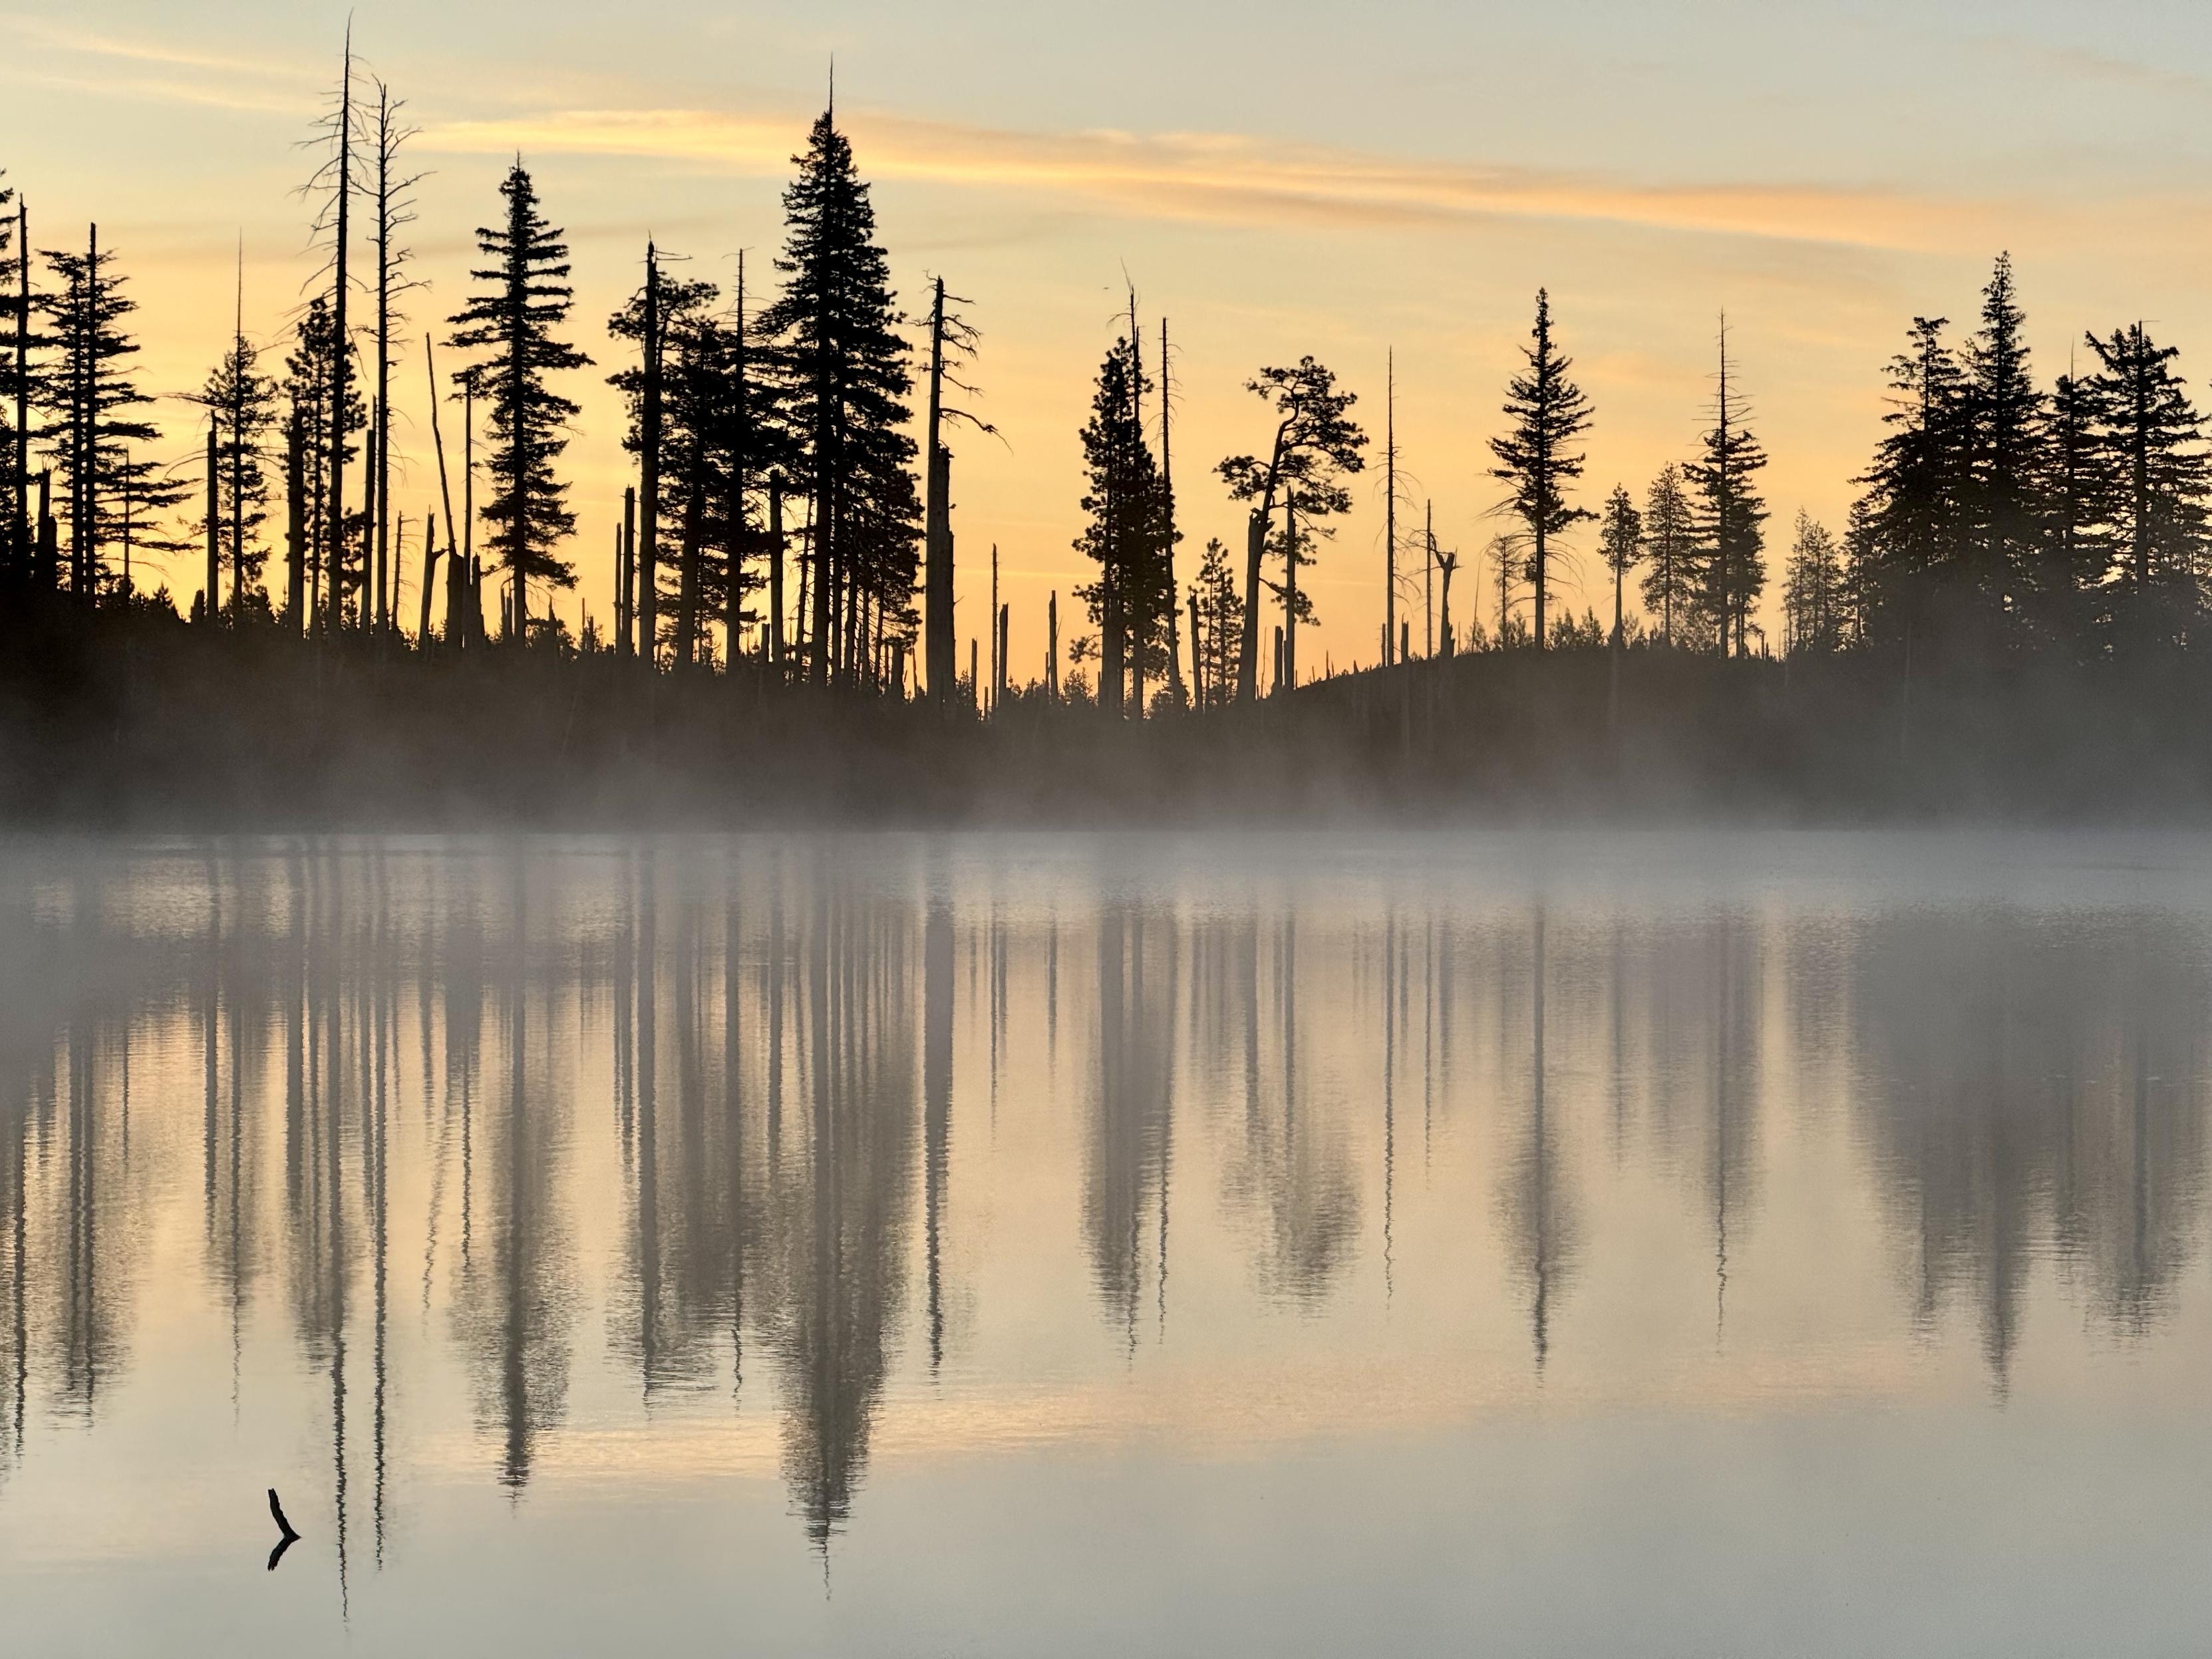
{"x":1656,"y":1243}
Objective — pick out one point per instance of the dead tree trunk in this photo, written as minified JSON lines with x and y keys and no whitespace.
{"x":775,"y":572}
{"x":295,"y":527}
{"x":211,"y":606}
{"x":340,"y":360}
{"x":649,"y":425}
{"x":429,"y":577}
{"x":1167,"y":552}
{"x":937,"y":584}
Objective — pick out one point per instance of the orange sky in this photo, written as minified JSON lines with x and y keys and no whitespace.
{"x":1276,"y":183}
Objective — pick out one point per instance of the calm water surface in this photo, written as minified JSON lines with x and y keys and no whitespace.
{"x":1641,"y":1244}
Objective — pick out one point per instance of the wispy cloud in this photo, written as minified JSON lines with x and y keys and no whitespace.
{"x":110,"y":66}
{"x":1206,"y":177}
{"x":2084,"y":63}
{"x":86,"y":43}
{"x":1216,"y":176}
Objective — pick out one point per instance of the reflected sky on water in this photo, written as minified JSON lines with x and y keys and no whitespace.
{"x":1653,"y":1243}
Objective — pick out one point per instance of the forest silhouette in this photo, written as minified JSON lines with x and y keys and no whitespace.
{"x":2006,"y":625}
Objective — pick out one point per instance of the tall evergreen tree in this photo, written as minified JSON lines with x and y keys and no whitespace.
{"x":1859,"y":577}
{"x":837,"y":327}
{"x":695,"y":349}
{"x":2005,"y":423}
{"x":243,"y":402}
{"x":1620,"y":539}
{"x":90,"y":399}
{"x":1219,"y":615}
{"x":2076,"y":490}
{"x":1670,"y":556}
{"x":314,"y":434}
{"x":1125,"y":508}
{"x":1812,"y":589}
{"x":1537,"y":459}
{"x":1730,"y":515}
{"x":513,"y":316}
{"x":1917,"y":488}
{"x":2152,"y":438}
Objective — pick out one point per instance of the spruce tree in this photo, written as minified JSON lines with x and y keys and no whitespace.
{"x":314,"y":437}
{"x":694,"y":354}
{"x":1125,"y":507}
{"x":2005,"y":423}
{"x":1917,"y":488}
{"x":88,"y":397}
{"x":2076,"y":492}
{"x":1859,"y":572}
{"x":1670,"y":557}
{"x":243,"y":402}
{"x":1730,"y":514}
{"x":835,"y":326}
{"x":1812,"y":589}
{"x":2152,"y":439}
{"x":514,"y":318}
{"x":1537,"y":459}
{"x":1620,"y":539}
{"x":1219,"y":614}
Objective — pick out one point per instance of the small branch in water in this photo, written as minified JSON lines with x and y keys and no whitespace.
{"x":289,"y":1537}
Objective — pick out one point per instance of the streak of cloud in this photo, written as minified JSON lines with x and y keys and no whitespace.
{"x":1215,"y":176}
{"x":86,"y":43}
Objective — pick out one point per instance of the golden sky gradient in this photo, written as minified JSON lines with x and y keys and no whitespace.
{"x":1276,"y":181}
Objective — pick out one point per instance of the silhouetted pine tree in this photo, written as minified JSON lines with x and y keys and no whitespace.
{"x":752,"y":453}
{"x":1220,"y":623}
{"x":1670,"y":558}
{"x":2075,"y":490}
{"x":1126,"y":510}
{"x":525,"y":297}
{"x":1917,"y":489}
{"x":1317,"y":442}
{"x":86,"y":393}
{"x":244,"y":403}
{"x":837,"y":327}
{"x":1859,"y":577}
{"x":1537,"y":459}
{"x":693,"y":353}
{"x":313,"y":439}
{"x":722,"y":442}
{"x":2005,"y":415}
{"x":2152,"y":439}
{"x":1812,"y":589}
{"x":1730,"y":515}
{"x":1620,"y":539}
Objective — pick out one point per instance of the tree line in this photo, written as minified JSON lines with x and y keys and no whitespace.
{"x":776,"y":525}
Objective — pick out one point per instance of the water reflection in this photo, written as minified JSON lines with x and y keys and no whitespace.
{"x":668,"y":1112}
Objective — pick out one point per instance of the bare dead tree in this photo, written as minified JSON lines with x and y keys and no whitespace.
{"x":953,"y":342}
{"x":395,"y":209}
{"x":332,"y":188}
